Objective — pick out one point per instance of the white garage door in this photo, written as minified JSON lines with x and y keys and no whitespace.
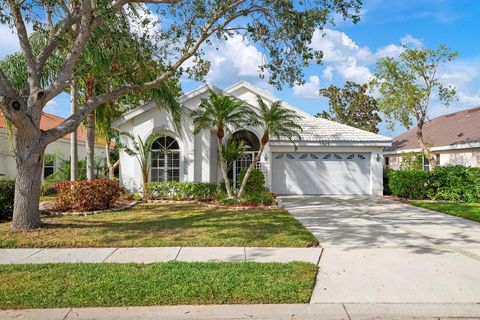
{"x":321,"y":173}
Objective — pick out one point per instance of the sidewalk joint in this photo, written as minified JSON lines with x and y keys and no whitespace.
{"x":345,"y":308}
{"x":68,"y":313}
{"x":110,"y":254}
{"x":178,"y":253}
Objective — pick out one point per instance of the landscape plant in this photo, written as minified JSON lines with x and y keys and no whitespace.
{"x":7,"y":194}
{"x":222,"y":113}
{"x":409,"y":87}
{"x":140,"y":149}
{"x":175,"y":190}
{"x":87,"y":195}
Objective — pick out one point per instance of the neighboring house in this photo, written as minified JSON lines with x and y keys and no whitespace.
{"x":59,"y":148}
{"x":330,"y":158}
{"x":454,"y":139}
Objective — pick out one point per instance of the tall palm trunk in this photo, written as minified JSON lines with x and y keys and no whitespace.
{"x":90,"y":146}
{"x":223,"y":167}
{"x":250,"y":169}
{"x":73,"y":135}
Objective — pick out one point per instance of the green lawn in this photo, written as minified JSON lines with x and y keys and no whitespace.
{"x":470,"y":211}
{"x":158,"y":225}
{"x":171,"y":283}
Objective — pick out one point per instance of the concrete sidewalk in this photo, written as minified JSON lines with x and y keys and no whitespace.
{"x":159,"y":254}
{"x":256,"y":312}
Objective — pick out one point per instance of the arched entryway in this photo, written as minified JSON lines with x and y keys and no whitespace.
{"x":252,"y":145}
{"x":165,"y":160}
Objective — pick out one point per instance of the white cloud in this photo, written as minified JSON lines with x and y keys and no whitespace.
{"x":51,"y":107}
{"x":412,"y":41}
{"x":143,"y":20}
{"x":236,"y":59}
{"x":309,"y":89}
{"x":327,"y":73}
{"x":390,"y":50}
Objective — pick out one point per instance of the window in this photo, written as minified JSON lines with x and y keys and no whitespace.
{"x":165,"y":160}
{"x":387,"y":162}
{"x":426,"y":164}
{"x":48,"y":165}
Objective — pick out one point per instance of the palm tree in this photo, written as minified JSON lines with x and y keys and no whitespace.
{"x":277,"y":121}
{"x":220,"y":113}
{"x":141,"y":150}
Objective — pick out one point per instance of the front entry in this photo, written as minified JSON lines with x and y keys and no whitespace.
{"x":321,"y":173}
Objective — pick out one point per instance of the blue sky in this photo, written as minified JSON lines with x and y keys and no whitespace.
{"x":351,"y":51}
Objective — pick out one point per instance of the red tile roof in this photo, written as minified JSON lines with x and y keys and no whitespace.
{"x":49,"y":121}
{"x":454,"y":128}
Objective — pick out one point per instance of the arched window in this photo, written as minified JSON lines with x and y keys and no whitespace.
{"x":165,"y":155}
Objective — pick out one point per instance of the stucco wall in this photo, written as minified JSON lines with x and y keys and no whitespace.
{"x":465,"y":157}
{"x":62,"y":146}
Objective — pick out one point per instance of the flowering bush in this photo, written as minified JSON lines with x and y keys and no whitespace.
{"x":86,"y":195}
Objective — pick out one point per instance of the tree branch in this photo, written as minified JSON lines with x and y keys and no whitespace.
{"x":33,"y":77}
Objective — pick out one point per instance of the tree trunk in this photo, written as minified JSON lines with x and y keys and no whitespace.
{"x":249,"y":171}
{"x":111,"y":167}
{"x":90,"y":146}
{"x":223,"y":167}
{"x":425,"y":149}
{"x":145,"y":180}
{"x":73,"y":135}
{"x":29,"y":165}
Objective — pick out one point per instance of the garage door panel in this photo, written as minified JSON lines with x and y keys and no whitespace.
{"x":321,"y":173}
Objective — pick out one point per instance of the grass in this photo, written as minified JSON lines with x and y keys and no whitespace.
{"x":159,"y":225}
{"x":469,"y":211}
{"x":171,"y":283}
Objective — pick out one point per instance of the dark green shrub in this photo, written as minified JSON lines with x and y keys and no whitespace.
{"x":410,"y":183}
{"x":255,"y":182}
{"x":7,"y":195}
{"x":386,"y":178}
{"x":263,"y":198}
{"x":174,"y":190}
{"x":456,"y":183}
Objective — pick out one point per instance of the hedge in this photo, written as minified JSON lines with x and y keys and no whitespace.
{"x":174,"y":190}
{"x":7,"y":195}
{"x":451,"y":183}
{"x":86,"y":195}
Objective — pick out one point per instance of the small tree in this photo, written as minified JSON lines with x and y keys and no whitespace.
{"x":141,"y":150}
{"x":277,"y":121}
{"x":408,"y":85}
{"x":220,"y":113}
{"x":351,"y":105}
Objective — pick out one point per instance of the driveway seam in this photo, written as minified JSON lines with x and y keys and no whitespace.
{"x":315,"y":282}
{"x":346,"y":311}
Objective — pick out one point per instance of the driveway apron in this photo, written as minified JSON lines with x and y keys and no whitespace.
{"x":381,"y":251}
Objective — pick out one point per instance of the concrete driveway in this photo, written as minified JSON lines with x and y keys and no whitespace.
{"x":381,"y":251}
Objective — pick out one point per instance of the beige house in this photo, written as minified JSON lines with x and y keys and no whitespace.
{"x":454,"y":140}
{"x":61,"y":147}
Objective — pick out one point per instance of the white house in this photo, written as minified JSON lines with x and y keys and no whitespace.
{"x":60,"y":148}
{"x":330,"y":158}
{"x":454,"y":139}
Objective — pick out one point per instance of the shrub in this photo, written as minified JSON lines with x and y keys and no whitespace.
{"x":47,"y":188}
{"x":386,"y":177}
{"x":255,"y":182}
{"x":7,"y":195}
{"x":264,"y":198}
{"x":86,"y":195}
{"x":174,"y":190}
{"x":410,"y":183}
{"x":456,"y":183}
{"x":260,"y":198}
